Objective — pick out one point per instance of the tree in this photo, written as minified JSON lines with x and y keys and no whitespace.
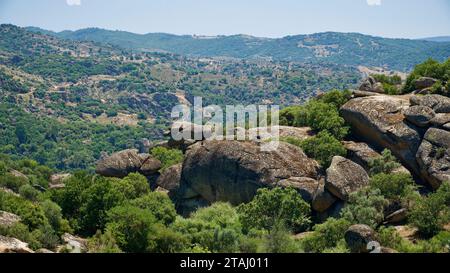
{"x":159,"y":204}
{"x":168,"y":157}
{"x":130,"y":227}
{"x":395,"y":187}
{"x":271,"y":206}
{"x":326,"y":235}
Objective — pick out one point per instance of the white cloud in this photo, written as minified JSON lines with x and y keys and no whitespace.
{"x":374,"y":2}
{"x":73,"y":2}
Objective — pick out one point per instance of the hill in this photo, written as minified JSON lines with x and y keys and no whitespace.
{"x":339,"y":48}
{"x":439,"y":39}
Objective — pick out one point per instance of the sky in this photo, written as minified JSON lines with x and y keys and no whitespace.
{"x":262,"y":18}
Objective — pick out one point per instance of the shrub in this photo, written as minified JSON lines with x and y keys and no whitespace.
{"x":279,"y":240}
{"x":386,"y":163}
{"x":271,"y":206}
{"x":336,"y":97}
{"x":12,"y":182}
{"x":323,"y":148}
{"x":395,"y":187}
{"x":130,"y":227}
{"x":365,"y":207}
{"x":325,"y":117}
{"x":162,"y":239}
{"x":431,"y":213}
{"x":168,"y":157}
{"x":430,"y":68}
{"x":28,"y":192}
{"x":159,"y":204}
{"x":103,"y":243}
{"x":326,"y":235}
{"x":215,"y":228}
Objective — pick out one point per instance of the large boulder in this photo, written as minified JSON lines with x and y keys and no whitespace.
{"x":125,"y":162}
{"x":440,"y":120}
{"x":419,"y":115}
{"x":73,"y":244}
{"x":169,"y":180}
{"x":232,"y":171}
{"x":275,"y":132}
{"x":305,"y":186}
{"x":12,"y":245}
{"x":424,"y":82}
{"x":439,"y":103}
{"x":322,"y":199}
{"x":345,"y":177}
{"x":8,"y":219}
{"x":379,"y":121}
{"x":433,"y":156}
{"x":358,"y":238}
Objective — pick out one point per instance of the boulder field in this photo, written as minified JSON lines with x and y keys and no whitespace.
{"x":414,"y":127}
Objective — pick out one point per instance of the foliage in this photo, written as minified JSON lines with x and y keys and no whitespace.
{"x":103,"y":243}
{"x":430,"y":68}
{"x":323,"y":148}
{"x":394,"y":187}
{"x":431,"y":213}
{"x":365,"y":207}
{"x":168,"y":157}
{"x":386,"y":163}
{"x":326,"y":235}
{"x":273,"y":206}
{"x":216,"y":228}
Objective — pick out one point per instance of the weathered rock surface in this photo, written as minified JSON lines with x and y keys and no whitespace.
{"x":232,"y":171}
{"x":379,"y":120}
{"x":397,"y":216}
{"x":439,"y":103}
{"x":419,"y":115}
{"x":433,"y":156}
{"x":170,"y":180}
{"x":271,"y":133}
{"x":305,"y":186}
{"x":424,"y":82}
{"x":345,"y":177}
{"x":19,"y":175}
{"x":8,"y":219}
{"x":322,"y":199}
{"x":440,"y":119}
{"x":12,"y":245}
{"x":358,"y":238}
{"x":74,"y":244}
{"x":125,"y":162}
{"x":370,"y":85}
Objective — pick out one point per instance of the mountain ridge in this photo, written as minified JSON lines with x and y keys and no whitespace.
{"x":333,"y":47}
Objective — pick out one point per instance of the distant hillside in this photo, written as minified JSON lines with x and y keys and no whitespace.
{"x":340,"y":48}
{"x":440,"y":39}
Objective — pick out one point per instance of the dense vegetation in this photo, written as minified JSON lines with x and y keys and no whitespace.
{"x":434,"y":69}
{"x":341,"y":48}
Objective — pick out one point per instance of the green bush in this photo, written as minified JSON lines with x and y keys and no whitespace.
{"x":326,"y":235}
{"x":103,"y":243}
{"x":166,"y":240}
{"x":168,"y":157}
{"x":386,"y":163}
{"x":431,"y":213}
{"x":323,"y":148}
{"x":28,"y":192}
{"x":394,"y":187}
{"x":365,"y":207}
{"x":12,"y":182}
{"x":216,"y":228}
{"x":271,"y":206}
{"x":159,"y":204}
{"x":130,"y":227}
{"x":336,"y":97}
{"x":325,"y":117}
{"x":279,"y":240}
{"x":429,"y":68}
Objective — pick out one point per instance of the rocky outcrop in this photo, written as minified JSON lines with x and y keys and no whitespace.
{"x":438,"y":103}
{"x":19,"y":175}
{"x":73,"y":244}
{"x":371,"y":85}
{"x":170,"y":179}
{"x":419,"y":115}
{"x":125,"y":162}
{"x":232,"y":171}
{"x":345,"y":177}
{"x":57,"y":180}
{"x":379,"y":120}
{"x":397,"y":216}
{"x":8,"y":219}
{"x":12,"y":245}
{"x":322,"y":199}
{"x":358,"y":238}
{"x":433,"y":156}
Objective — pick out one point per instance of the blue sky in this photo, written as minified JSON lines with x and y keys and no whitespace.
{"x":265,"y":18}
